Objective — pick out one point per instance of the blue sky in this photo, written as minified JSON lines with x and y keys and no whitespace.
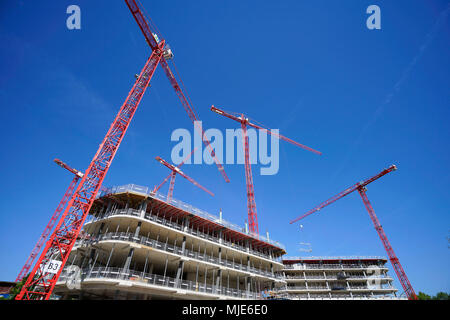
{"x":365,"y":98}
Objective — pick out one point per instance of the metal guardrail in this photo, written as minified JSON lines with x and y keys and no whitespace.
{"x":331,"y":277}
{"x":324,"y":288}
{"x":336,"y":258}
{"x":341,"y":296}
{"x":308,"y":266}
{"x":165,"y":222}
{"x":186,"y":207}
{"x":158,"y":280}
{"x":130,"y":237}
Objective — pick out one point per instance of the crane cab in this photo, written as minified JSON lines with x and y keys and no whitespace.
{"x":168,"y":54}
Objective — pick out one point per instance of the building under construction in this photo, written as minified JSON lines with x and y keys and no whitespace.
{"x":138,"y":245}
{"x":337,"y":278}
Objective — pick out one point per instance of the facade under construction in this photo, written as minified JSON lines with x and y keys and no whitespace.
{"x":338,"y":278}
{"x":137,"y":245}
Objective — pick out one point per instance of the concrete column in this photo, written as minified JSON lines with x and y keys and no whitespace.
{"x":220,"y":255}
{"x":196,"y":278}
{"x":219,"y":275}
{"x":91,"y":257}
{"x":179,"y":272}
{"x":186,"y":224}
{"x":183,"y":245}
{"x":108,"y":208}
{"x":138,"y":229}
{"x":220,"y":237}
{"x":93,"y":264}
{"x":110,"y":255}
{"x":146,"y":262}
{"x":126,"y":266}
{"x":248,"y":263}
{"x":248,"y":285}
{"x":143,"y":208}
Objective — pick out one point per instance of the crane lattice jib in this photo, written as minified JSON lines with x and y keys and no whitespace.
{"x":346,"y":192}
{"x":170,"y":174}
{"x":41,"y":282}
{"x":149,"y":33}
{"x":176,"y":170}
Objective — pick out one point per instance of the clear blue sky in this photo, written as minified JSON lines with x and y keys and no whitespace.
{"x":366,"y":99}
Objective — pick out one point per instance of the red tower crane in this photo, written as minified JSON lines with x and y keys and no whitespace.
{"x":251,"y":205}
{"x":175,"y":171}
{"x":361,"y":188}
{"x":37,"y":248}
{"x":156,"y":188}
{"x":42,"y":279}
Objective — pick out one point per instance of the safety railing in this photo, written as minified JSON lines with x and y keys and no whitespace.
{"x":296,"y":288}
{"x":381,"y":277}
{"x":337,"y":258}
{"x":186,"y":207}
{"x":309,"y":266}
{"x":177,"y":226}
{"x":333,"y":296}
{"x":158,"y":280}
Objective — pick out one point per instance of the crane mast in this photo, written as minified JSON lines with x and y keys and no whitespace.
{"x":401,"y":275}
{"x":361,"y":188}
